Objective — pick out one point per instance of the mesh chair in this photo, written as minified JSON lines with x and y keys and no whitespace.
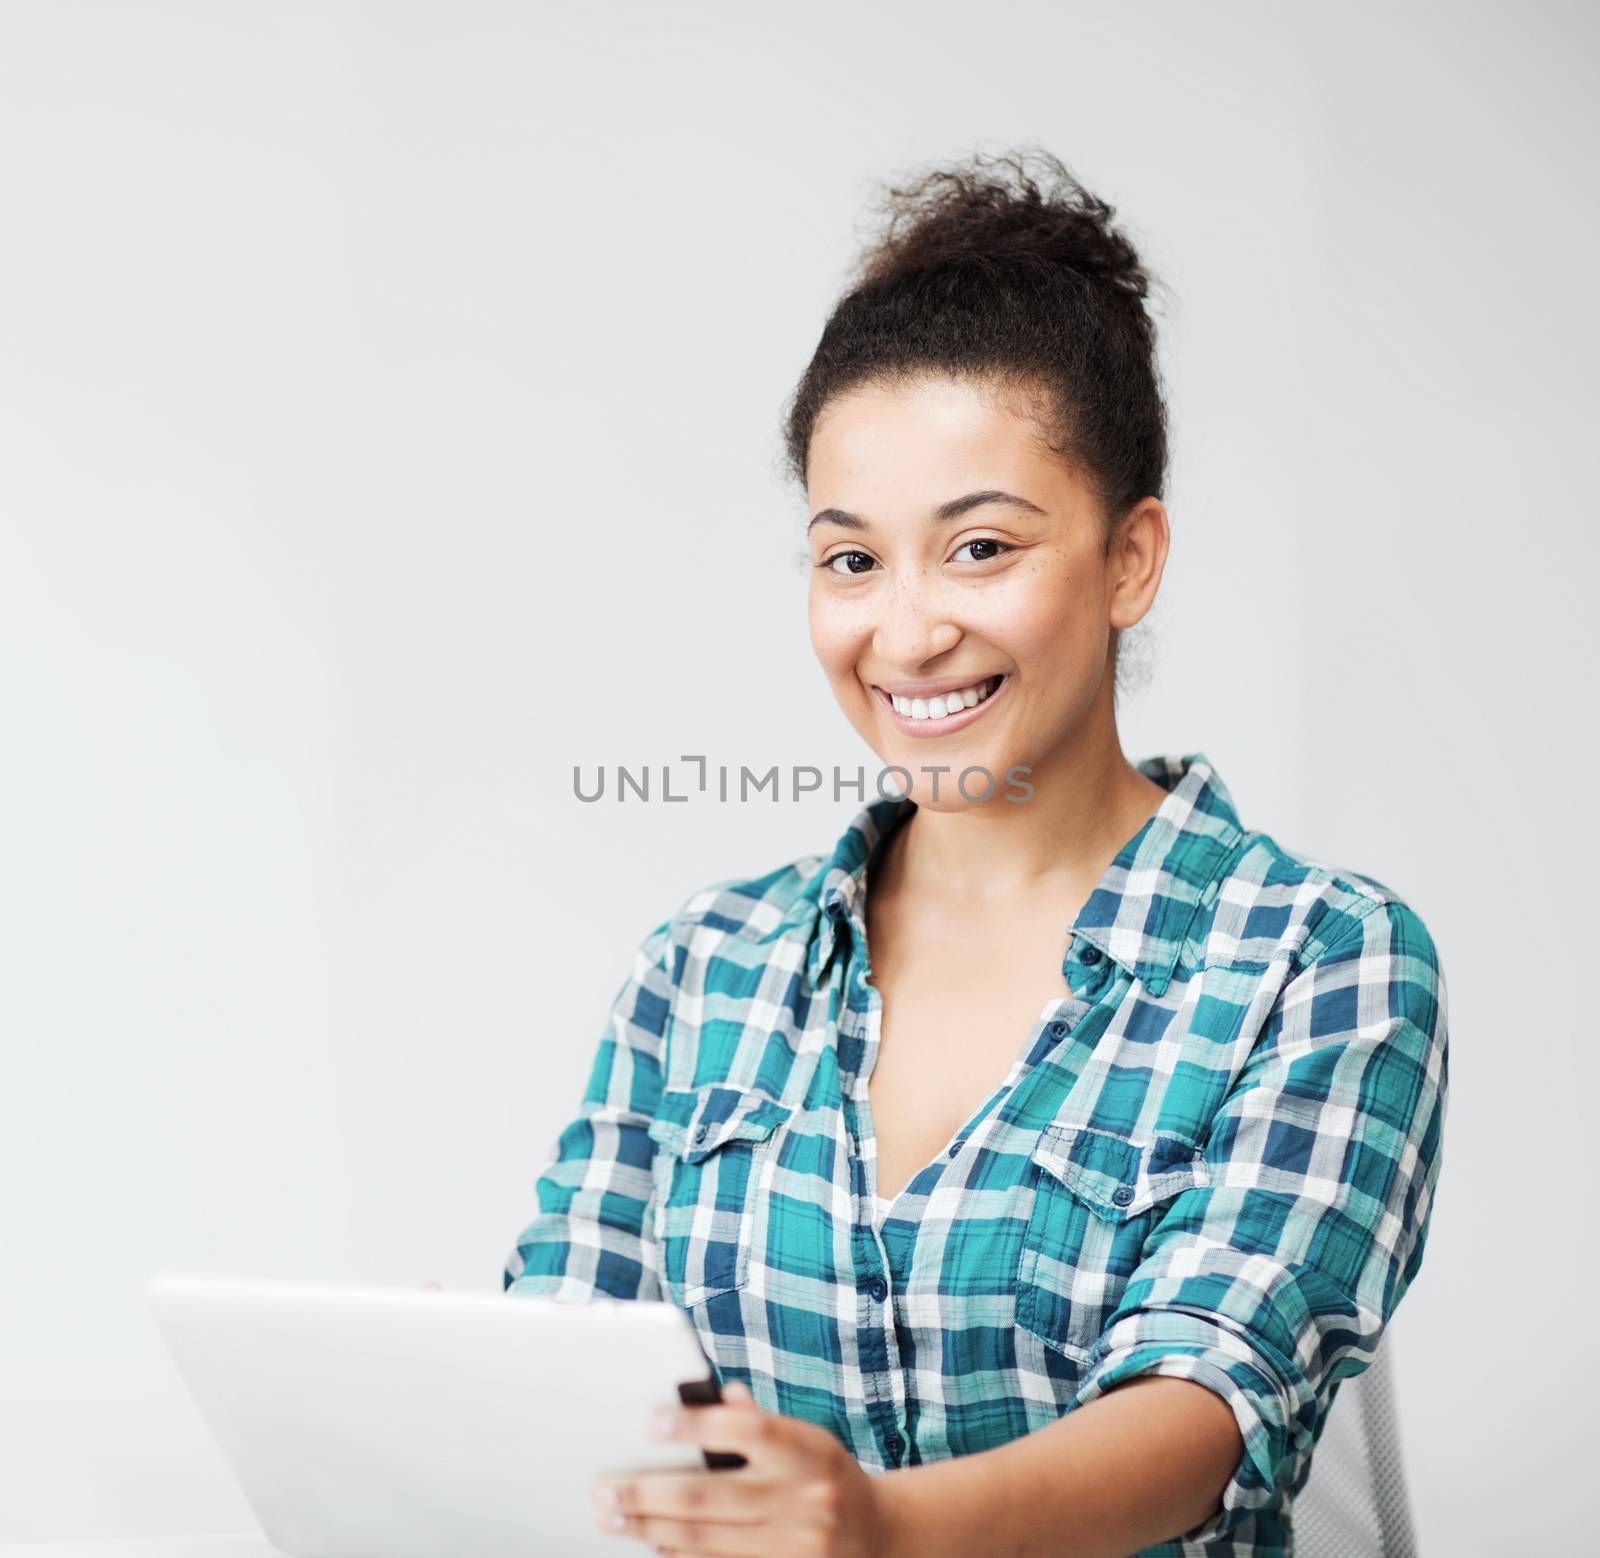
{"x":1354,"y":1503}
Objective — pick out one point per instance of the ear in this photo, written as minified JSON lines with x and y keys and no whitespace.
{"x":1137,"y":560}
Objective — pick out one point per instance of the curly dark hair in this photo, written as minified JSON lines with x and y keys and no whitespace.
{"x":1006,"y":270}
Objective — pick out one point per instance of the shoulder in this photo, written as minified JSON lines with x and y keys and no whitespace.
{"x":753,"y":906}
{"x":739,"y":916}
{"x":1272,"y":898}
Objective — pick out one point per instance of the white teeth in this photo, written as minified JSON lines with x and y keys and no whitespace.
{"x":942,"y":706}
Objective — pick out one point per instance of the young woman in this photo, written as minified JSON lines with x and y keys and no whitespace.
{"x":1037,"y":1163}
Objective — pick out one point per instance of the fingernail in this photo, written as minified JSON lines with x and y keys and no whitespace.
{"x":606,"y":1508}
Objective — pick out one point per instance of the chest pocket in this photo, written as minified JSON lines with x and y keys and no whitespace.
{"x":713,"y":1150}
{"x":1097,"y":1196}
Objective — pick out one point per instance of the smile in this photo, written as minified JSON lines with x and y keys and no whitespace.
{"x":946,"y":712}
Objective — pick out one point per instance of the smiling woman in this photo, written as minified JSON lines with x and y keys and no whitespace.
{"x":1034,"y":1169}
{"x":1024,"y":584}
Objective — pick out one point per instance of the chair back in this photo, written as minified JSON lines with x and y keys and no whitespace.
{"x":1354,"y":1503}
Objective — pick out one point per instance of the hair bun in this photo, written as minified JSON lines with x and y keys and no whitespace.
{"x":997,"y":215}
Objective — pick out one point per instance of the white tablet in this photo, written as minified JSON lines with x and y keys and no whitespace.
{"x":371,"y":1420}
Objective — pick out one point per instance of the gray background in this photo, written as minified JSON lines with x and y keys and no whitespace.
{"x":388,"y":421}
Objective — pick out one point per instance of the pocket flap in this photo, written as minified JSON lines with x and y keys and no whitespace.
{"x":1115,"y":1175}
{"x":694,"y":1122}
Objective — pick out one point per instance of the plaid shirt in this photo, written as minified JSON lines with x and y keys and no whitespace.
{"x":1214,"y":1157}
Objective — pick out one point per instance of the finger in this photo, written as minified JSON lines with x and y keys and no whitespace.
{"x":772,"y":1444}
{"x":701,"y":1512}
{"x":700,"y":1538}
{"x":737,"y":1392}
{"x":730,"y":1426}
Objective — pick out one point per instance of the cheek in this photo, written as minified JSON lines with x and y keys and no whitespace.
{"x":1055,"y":635}
{"x":835,"y":634}
{"x":1043,"y":621}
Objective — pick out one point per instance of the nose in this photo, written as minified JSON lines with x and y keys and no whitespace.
{"x":914,"y":628}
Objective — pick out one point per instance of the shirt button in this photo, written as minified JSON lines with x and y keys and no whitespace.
{"x":1090,"y":954}
{"x":1122,"y":1195}
{"x":878,"y":1288}
{"x":1057,"y":1030}
{"x":894,"y":1444}
{"x":956,"y":1147}
{"x":835,"y":909}
{"x":701,"y":1132}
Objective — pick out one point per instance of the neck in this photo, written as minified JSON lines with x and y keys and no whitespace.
{"x":1054,"y":845}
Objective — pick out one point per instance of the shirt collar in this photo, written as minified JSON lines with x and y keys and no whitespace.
{"x":1140,"y":911}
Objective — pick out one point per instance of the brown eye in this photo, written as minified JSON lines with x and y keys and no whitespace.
{"x":828,"y":564}
{"x":1003,"y":546}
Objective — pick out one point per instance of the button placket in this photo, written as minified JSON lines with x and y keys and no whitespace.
{"x":877,"y":1337}
{"x":880,"y":1362}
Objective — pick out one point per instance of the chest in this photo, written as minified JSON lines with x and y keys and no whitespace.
{"x":954,"y":1017}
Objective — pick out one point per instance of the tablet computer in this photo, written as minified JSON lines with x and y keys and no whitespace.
{"x":378,"y":1422}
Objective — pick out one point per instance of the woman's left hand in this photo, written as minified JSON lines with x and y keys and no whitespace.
{"x":800,"y":1493}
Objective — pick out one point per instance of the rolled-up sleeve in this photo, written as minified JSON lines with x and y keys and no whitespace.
{"x":591,"y":1235}
{"x":1272,"y":1280}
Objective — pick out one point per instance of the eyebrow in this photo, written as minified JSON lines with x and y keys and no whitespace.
{"x":942,"y":515}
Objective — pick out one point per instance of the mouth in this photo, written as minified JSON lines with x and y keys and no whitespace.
{"x":934,"y":716}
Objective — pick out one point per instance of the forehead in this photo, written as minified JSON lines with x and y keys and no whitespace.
{"x":885,"y":447}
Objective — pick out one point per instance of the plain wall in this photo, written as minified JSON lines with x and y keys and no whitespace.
{"x":389,"y":405}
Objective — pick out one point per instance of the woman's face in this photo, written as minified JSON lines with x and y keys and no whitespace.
{"x":906,"y":599}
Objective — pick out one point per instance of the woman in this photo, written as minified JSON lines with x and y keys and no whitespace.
{"x":1037,"y":1200}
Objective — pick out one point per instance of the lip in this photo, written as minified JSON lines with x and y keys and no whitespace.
{"x":932,"y":689}
{"x":951,"y":723}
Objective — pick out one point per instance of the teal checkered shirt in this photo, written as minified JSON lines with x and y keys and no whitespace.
{"x":1214,"y":1157}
